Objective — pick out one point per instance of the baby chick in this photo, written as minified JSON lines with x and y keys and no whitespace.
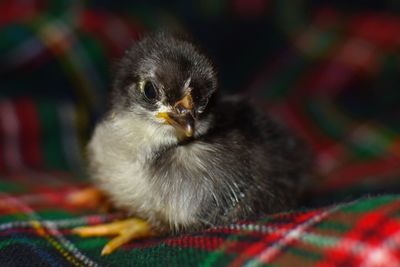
{"x":179,"y":156}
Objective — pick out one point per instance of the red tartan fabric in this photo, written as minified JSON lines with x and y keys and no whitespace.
{"x":37,"y":222}
{"x":328,"y":70}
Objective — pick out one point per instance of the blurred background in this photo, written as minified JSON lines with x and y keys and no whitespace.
{"x":329,"y":69}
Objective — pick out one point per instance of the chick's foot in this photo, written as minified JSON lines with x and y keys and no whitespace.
{"x":125,"y":231}
{"x":89,"y":197}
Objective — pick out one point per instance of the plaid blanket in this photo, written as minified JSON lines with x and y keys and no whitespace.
{"x":328,"y":70}
{"x":36,"y":222}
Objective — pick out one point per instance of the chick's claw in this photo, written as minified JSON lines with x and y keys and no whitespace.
{"x":125,"y":231}
{"x":89,"y":197}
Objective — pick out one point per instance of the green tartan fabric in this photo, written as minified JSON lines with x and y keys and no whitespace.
{"x":329,"y":70}
{"x":36,"y":223}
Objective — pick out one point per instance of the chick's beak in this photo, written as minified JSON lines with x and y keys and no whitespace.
{"x":183,"y":123}
{"x":181,"y":118}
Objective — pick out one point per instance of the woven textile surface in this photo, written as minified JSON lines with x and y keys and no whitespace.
{"x":35,"y":231}
{"x":327,"y":69}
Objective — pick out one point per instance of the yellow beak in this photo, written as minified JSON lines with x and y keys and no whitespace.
{"x":183,"y":124}
{"x":181,"y":118}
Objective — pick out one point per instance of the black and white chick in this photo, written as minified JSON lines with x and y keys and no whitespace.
{"x":181,"y":157}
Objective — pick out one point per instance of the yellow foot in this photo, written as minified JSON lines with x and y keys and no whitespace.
{"x":125,"y":231}
{"x":89,"y":197}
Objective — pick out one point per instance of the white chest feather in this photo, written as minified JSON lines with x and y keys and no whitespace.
{"x":119,"y":152}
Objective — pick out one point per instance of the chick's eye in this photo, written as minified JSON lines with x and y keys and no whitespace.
{"x":149,"y":91}
{"x":202,"y":106}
